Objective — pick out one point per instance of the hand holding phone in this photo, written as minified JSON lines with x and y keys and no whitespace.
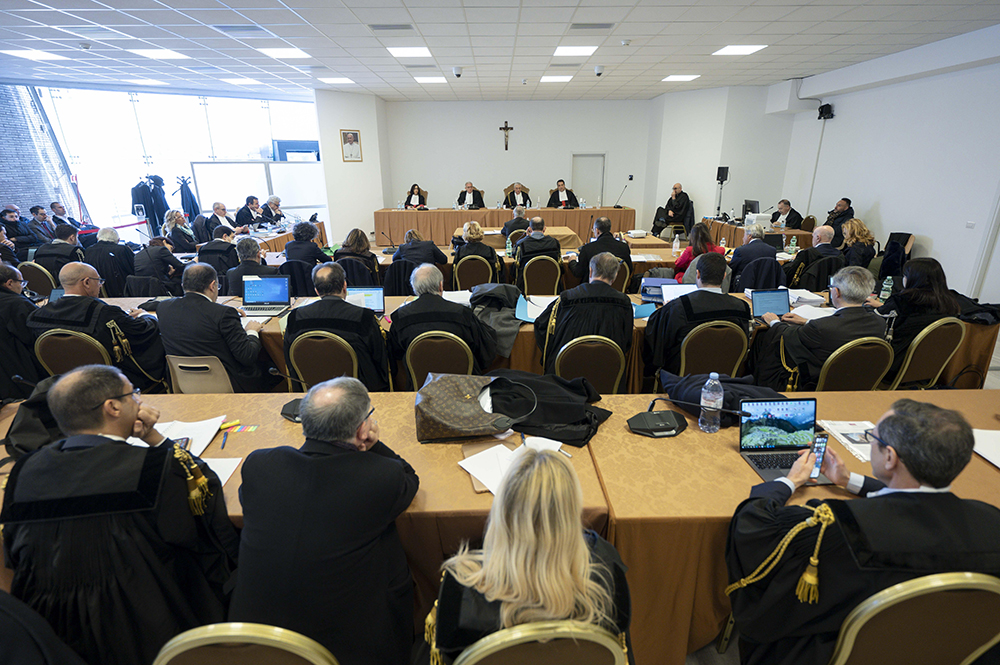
{"x":819,"y":449}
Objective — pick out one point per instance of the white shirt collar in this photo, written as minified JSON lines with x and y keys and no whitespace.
{"x":912,"y":490}
{"x":711,"y":289}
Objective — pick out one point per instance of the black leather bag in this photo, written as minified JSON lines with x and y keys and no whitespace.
{"x":33,"y":425}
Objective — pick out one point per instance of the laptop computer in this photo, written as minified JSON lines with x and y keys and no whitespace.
{"x":774,"y":432}
{"x":373,"y":295}
{"x":775,"y":240}
{"x":266,"y":295}
{"x":775,"y":301}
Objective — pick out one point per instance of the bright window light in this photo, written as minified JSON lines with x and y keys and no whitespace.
{"x":241,"y":81}
{"x":585,"y":51}
{"x":336,"y":81}
{"x":284,"y":53}
{"x":430,"y":79}
{"x":409,"y":51}
{"x":556,"y":79}
{"x":159,"y":54}
{"x":673,"y":78}
{"x":32,"y":54}
{"x":739,"y":49}
{"x":144,"y":82}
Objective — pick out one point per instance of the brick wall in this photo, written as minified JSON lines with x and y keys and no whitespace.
{"x":31,"y":172}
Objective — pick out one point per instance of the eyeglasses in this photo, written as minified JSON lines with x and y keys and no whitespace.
{"x":367,"y":417}
{"x":871,"y":438}
{"x":136,"y":392}
{"x":99,"y":280}
{"x":24,"y":283}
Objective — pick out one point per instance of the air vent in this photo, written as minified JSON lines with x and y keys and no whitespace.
{"x":383,"y":27}
{"x":244,"y":31}
{"x":94,"y":32}
{"x":420,"y":66}
{"x":591,"y":26}
{"x":566,"y":64}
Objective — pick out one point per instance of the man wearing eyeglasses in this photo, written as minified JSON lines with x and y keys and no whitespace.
{"x":111,"y":543}
{"x":908,"y":525}
{"x":132,"y":339}
{"x":319,"y":551}
{"x":17,"y":342}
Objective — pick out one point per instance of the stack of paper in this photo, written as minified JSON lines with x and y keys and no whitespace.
{"x":648,"y":258}
{"x":811,"y":313}
{"x":851,"y":434}
{"x":490,"y":465}
{"x":460,"y":297}
{"x":200,"y":433}
{"x":988,"y":445}
{"x":803,"y":297}
{"x":784,"y":256}
{"x":302,"y":302}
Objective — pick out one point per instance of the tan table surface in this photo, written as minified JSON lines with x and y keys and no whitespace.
{"x":734,"y":234}
{"x":649,"y":242}
{"x":275,"y":242}
{"x":569,"y":241}
{"x":672,"y":499}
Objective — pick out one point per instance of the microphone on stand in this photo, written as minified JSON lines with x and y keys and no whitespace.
{"x":389,"y":250}
{"x":290,"y":411}
{"x":620,"y":196}
{"x":768,"y":210}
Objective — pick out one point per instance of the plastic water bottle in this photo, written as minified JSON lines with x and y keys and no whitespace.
{"x":510,"y":248}
{"x":711,"y":402}
{"x":732,"y":214}
{"x":454,"y":206}
{"x":722,"y":242}
{"x":399,"y":205}
{"x":677,"y":245}
{"x":886,"y":289}
{"x":794,"y":245}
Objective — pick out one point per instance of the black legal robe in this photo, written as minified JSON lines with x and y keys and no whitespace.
{"x":476,"y":199}
{"x":156,"y":261}
{"x":593,"y":308}
{"x":54,"y":255}
{"x":606,"y":242}
{"x":511,"y":202}
{"x":114,"y":263}
{"x":555,"y":202}
{"x":18,"y":344}
{"x":668,"y":326}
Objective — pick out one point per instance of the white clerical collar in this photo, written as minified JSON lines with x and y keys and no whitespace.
{"x":563,"y":195}
{"x":924,"y":489}
{"x":711,"y":289}
{"x":113,"y":437}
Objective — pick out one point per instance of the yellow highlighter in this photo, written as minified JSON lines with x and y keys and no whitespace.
{"x":231,"y":423}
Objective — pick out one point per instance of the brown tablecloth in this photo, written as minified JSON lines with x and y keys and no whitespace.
{"x":734,"y":234}
{"x":649,"y":242}
{"x":568,"y":239}
{"x":276,"y":242}
{"x":438,"y":224}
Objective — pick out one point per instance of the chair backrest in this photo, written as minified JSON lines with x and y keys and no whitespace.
{"x":546,"y":643}
{"x":946,"y":619}
{"x":439,"y":352}
{"x":857,"y":365}
{"x":623,"y":278}
{"x":541,"y":276}
{"x":762,"y":273}
{"x":39,"y":279}
{"x":516,"y":235}
{"x":691,"y":274}
{"x":397,"y":278}
{"x":61,"y":350}
{"x":472,"y":270}
{"x":808,"y":223}
{"x":552,"y":190}
{"x":904,"y":239}
{"x":144,"y":287}
{"x":300,"y":284}
{"x":201,"y":234}
{"x":510,"y":188}
{"x":244,"y":643}
{"x":198,"y":375}
{"x":318,"y":356}
{"x":816,"y":276}
{"x":929,"y":353}
{"x":594,"y":357}
{"x":715,"y":346}
{"x":358,"y":274}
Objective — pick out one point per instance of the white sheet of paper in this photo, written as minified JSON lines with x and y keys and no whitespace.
{"x":851,"y":434}
{"x":537,"y":304}
{"x":491,"y":232}
{"x":385,"y":258}
{"x":489,"y":465}
{"x":541,"y":443}
{"x":988,"y":445}
{"x":460,"y":297}
{"x":356,"y":299}
{"x":803,"y":297}
{"x":671,"y":291}
{"x":259,"y":319}
{"x":200,"y":432}
{"x":224,"y":467}
{"x":811,"y":312}
{"x":783,"y":256}
{"x":302,"y":302}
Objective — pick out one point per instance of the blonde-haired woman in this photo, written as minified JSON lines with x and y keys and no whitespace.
{"x":180,"y":234}
{"x":859,"y":243}
{"x":537,"y":563}
{"x":473,"y":236}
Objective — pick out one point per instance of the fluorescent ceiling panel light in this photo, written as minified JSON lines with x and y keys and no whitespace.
{"x":159,"y":54}
{"x":673,"y":78}
{"x":336,"y":80}
{"x":144,"y":82}
{"x":32,"y":54}
{"x":430,"y":79}
{"x":739,"y":49}
{"x":409,"y":51}
{"x":284,"y":53}
{"x":576,"y":51}
{"x":556,"y":79}
{"x":241,"y":81}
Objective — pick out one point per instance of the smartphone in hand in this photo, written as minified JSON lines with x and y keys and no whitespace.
{"x":819,"y":449}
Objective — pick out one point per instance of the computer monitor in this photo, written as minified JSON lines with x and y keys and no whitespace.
{"x":750,"y":207}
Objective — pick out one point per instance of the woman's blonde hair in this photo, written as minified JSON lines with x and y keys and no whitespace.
{"x":855,"y":231}
{"x":472,"y":232}
{"x":534,"y":558}
{"x":412,"y":235}
{"x":172,"y":218}
{"x":357,"y":242}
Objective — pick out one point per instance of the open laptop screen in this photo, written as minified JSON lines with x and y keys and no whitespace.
{"x":774,"y":301}
{"x":373,"y":295}
{"x":776,"y":424}
{"x":266,"y":290}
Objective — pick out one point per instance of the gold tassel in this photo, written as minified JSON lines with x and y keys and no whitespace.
{"x":793,"y":372}
{"x":430,"y":631}
{"x":197,"y":483}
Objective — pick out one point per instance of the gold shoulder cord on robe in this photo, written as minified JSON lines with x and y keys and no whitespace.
{"x":549,"y":329}
{"x":197,"y":484}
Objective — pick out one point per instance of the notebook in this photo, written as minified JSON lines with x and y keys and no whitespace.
{"x":266,"y":295}
{"x":775,"y":301}
{"x":774,"y":432}
{"x":373,"y":295}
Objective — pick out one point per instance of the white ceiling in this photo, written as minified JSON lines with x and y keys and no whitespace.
{"x":497,"y":42}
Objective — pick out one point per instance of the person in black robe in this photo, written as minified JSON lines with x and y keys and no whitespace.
{"x":859,"y":243}
{"x":358,"y":326}
{"x":302,"y":247}
{"x":112,"y":260}
{"x":562,"y":197}
{"x":417,"y":250}
{"x":63,"y":250}
{"x":158,"y":260}
{"x":109,"y":542}
{"x":220,"y":253}
{"x":356,"y":246}
{"x":534,"y":244}
{"x":793,"y":219}
{"x":414,"y":199}
{"x":909,"y":525}
{"x":430,"y":311}
{"x":271,"y":210}
{"x":251,"y":263}
{"x":80,"y":310}
{"x":471,"y":197}
{"x":822,"y":248}
{"x":16,"y":339}
{"x":220,"y":217}
{"x":517,"y":223}
{"x":604,"y":241}
{"x":835,"y":219}
{"x":675,"y":210}
{"x":594,"y":308}
{"x":516,"y":197}
{"x":668,"y":326}
{"x":28,"y":639}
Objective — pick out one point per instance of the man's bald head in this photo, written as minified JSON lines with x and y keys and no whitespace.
{"x":677,"y":189}
{"x":823,"y":234}
{"x":80,"y":279}
{"x":537,"y":224}
{"x":334,"y":410}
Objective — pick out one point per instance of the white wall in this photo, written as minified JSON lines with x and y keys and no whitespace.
{"x":441,"y":145}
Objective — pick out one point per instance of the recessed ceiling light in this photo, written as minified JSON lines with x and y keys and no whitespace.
{"x":681,"y":77}
{"x":144,"y":82}
{"x":739,"y":49}
{"x":241,"y":81}
{"x":284,"y":53}
{"x":556,"y":79}
{"x":430,"y":79}
{"x":585,"y":51}
{"x":336,"y":80}
{"x":159,"y":54}
{"x":409,"y":51}
{"x":32,"y":54}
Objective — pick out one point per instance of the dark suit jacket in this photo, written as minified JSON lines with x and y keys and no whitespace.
{"x":323,"y":518}
{"x":182,"y":242}
{"x":515,"y":224}
{"x":266,"y":213}
{"x":554,"y":201}
{"x":305,"y":250}
{"x":477,"y":198}
{"x":24,"y":237}
{"x":114,"y":262}
{"x":244,"y":217}
{"x":668,"y":326}
{"x":837,"y":222}
{"x":742,"y":256}
{"x":420,"y":251}
{"x":807,"y":256}
{"x":810,"y":344}
{"x":54,"y":255}
{"x":18,"y":343}
{"x":155,"y":262}
{"x":793,"y":221}
{"x":196,"y":326}
{"x":606,"y":242}
{"x":46,"y":231}
{"x":859,"y":255}
{"x":510,"y":202}
{"x":234,"y":277}
{"x":219,"y":254}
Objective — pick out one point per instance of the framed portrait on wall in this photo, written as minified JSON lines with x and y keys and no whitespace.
{"x":350,"y":143}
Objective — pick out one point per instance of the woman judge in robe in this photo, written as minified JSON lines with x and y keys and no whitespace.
{"x":414,"y":199}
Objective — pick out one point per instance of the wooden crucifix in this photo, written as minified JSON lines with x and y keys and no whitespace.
{"x":506,"y":129}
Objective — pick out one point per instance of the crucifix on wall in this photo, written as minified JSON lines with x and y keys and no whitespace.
{"x":506,"y":129}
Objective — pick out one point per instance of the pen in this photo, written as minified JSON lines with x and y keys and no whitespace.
{"x":225,"y":435}
{"x":565,"y":453}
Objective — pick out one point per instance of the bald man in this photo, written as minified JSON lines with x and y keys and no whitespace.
{"x":677,"y":207}
{"x":79,"y":309}
{"x":821,"y":249}
{"x":220,"y":217}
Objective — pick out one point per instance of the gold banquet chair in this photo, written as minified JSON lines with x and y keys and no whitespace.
{"x":715,"y":346}
{"x":198,"y":375}
{"x":60,"y":350}
{"x":471,"y":271}
{"x":546,"y":643}
{"x":929,"y":353}
{"x":243,"y":643}
{"x":622,"y":279}
{"x":319,"y":356}
{"x":857,"y":365}
{"x":439,"y":352}
{"x":516,"y":235}
{"x":594,"y":357}
{"x":541,"y":276}
{"x":945,"y":619}
{"x":39,"y":279}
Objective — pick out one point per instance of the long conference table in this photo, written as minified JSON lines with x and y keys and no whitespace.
{"x":665,"y":504}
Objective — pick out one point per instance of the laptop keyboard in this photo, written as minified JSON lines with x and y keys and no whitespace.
{"x":774,"y":460}
{"x":251,"y":309}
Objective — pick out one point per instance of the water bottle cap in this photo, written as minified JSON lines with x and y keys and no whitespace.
{"x":714,"y":375}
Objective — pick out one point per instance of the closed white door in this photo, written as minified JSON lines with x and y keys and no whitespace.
{"x":588,"y":179}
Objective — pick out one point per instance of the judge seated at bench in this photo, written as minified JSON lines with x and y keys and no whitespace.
{"x":470,"y":197}
{"x":517,"y":197}
{"x":562,"y":197}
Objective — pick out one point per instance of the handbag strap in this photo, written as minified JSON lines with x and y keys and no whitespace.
{"x":507,"y":422}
